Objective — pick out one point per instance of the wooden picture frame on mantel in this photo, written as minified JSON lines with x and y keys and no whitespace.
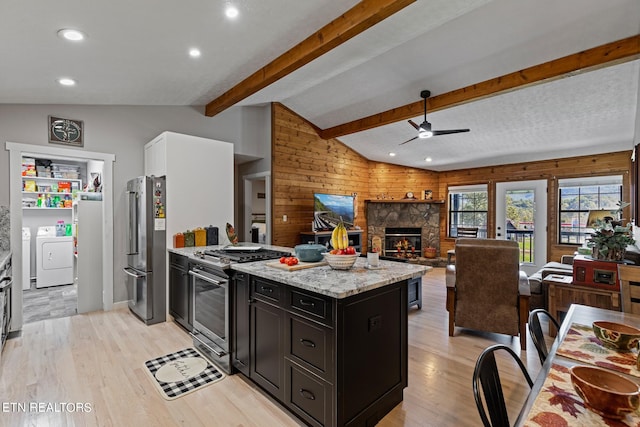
{"x":427,"y":195}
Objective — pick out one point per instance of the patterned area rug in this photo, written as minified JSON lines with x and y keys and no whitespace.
{"x":181,"y":373}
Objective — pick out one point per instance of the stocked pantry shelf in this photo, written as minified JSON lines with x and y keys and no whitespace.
{"x":46,"y":209}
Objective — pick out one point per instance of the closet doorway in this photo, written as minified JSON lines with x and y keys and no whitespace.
{"x":102,"y":283}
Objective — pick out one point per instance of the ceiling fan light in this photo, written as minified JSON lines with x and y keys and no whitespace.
{"x":423,"y":134}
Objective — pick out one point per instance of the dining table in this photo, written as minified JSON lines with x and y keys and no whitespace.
{"x":552,"y":400}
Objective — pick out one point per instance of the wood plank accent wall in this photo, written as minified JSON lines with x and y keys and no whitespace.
{"x":304,"y":163}
{"x":618,"y":163}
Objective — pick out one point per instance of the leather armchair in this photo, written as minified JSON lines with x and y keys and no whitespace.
{"x":486,"y":290}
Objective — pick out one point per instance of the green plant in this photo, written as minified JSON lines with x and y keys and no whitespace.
{"x":609,"y":242}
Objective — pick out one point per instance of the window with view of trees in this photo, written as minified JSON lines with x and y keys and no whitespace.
{"x":468,"y":208}
{"x":579,"y":196}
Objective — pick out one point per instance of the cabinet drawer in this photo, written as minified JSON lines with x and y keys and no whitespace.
{"x":267,"y":290}
{"x":308,"y":396}
{"x":178,"y":260}
{"x":312,"y":305}
{"x":310,"y":344}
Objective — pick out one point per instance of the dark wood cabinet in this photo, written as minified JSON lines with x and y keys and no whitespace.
{"x":180,"y":295}
{"x":241,"y":326}
{"x":414,"y":289}
{"x":331,"y":362}
{"x":266,"y":335}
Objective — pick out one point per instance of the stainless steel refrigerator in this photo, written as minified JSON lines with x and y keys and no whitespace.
{"x":146,"y":248}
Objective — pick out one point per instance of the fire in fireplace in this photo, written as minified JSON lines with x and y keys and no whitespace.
{"x":402,"y":242}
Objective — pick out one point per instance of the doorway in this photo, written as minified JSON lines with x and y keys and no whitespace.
{"x":17,"y":152}
{"x":257,"y":207}
{"x":521,"y":215}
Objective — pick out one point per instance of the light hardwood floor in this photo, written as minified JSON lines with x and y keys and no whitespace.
{"x":98,"y":359}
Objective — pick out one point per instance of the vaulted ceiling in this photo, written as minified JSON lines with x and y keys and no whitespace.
{"x":347,"y":66}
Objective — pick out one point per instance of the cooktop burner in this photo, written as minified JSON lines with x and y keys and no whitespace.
{"x":247,"y":256}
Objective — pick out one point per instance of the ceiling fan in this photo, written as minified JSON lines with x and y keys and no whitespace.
{"x":424,"y":130}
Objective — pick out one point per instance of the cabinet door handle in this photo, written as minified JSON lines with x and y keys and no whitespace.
{"x":307,"y":303}
{"x":307,"y":394}
{"x":307,"y":343}
{"x":266,"y":289}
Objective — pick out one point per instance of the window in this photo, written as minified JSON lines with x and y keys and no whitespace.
{"x":579,"y":196}
{"x":468,"y":208}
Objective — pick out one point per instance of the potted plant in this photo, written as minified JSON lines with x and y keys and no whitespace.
{"x":430,"y":250}
{"x":610,"y":240}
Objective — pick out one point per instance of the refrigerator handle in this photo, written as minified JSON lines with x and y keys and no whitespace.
{"x":132,"y":229}
{"x":133,"y":274}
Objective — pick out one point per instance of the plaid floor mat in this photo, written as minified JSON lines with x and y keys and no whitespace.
{"x":188,"y":370}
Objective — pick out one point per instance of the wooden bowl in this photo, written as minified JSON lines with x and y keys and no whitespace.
{"x":341,"y":262}
{"x":617,"y":335}
{"x":604,"y":392}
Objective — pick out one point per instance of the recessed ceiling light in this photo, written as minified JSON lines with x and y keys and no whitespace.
{"x":428,"y":159}
{"x":69,"y":34}
{"x":65,"y":81}
{"x":392,"y":154}
{"x":231,"y":12}
{"x":194,"y":52}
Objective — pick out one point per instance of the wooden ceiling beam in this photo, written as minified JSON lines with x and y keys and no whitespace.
{"x":601,"y":56}
{"x":359,"y":18}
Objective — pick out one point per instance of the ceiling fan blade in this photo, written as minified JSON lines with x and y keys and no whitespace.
{"x":412,"y":123}
{"x":409,"y":140}
{"x":447,"y":132}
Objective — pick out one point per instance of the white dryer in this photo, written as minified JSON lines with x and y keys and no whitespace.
{"x":54,"y":258}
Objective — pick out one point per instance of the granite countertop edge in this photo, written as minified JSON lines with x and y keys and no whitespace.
{"x":322,"y":280}
{"x":4,"y":257}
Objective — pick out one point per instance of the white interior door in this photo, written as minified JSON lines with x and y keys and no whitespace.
{"x":521,"y":215}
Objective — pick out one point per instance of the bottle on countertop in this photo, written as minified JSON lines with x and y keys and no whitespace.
{"x":189,"y":239}
{"x":60,"y":228}
{"x":178,"y":240}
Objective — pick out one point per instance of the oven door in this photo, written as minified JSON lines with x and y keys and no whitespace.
{"x":211,"y":314}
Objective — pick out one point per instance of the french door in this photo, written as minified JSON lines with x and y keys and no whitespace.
{"x":521,"y":215}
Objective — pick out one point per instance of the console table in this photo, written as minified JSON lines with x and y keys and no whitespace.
{"x":563,"y":293}
{"x":323,"y":237}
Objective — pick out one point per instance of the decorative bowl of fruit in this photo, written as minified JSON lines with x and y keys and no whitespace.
{"x":341,"y":259}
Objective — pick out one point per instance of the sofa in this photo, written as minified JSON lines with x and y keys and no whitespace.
{"x":539,"y":292}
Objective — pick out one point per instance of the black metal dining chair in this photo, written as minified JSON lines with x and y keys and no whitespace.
{"x":486,"y":375}
{"x":535,"y":330}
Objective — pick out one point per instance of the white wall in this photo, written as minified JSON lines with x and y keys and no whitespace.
{"x":122,"y":131}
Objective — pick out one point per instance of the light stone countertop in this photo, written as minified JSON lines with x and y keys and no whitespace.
{"x":322,"y":280}
{"x":4,"y":257}
{"x":337,"y":283}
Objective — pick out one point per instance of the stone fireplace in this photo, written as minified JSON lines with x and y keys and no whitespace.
{"x":400,"y":225}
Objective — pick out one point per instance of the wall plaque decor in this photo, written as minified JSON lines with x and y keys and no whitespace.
{"x":68,"y":132}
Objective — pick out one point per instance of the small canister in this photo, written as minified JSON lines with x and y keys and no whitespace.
{"x":212,"y":235}
{"x":200,"y":236}
{"x":178,"y":240}
{"x":189,"y":239}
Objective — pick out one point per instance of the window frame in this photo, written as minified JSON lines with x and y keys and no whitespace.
{"x":454,"y":190}
{"x":584,"y":182}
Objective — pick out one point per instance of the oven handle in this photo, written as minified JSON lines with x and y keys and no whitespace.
{"x":218,"y":353}
{"x":196,"y":273}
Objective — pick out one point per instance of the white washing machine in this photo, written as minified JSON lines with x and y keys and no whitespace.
{"x":26,"y":258}
{"x":54,"y":258}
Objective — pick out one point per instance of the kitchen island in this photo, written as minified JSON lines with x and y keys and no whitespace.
{"x":330,"y":345}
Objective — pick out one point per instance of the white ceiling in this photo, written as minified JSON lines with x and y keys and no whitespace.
{"x":136,"y":54}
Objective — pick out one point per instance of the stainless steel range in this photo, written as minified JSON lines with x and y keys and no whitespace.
{"x":211,"y":280}
{"x":246,"y":255}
